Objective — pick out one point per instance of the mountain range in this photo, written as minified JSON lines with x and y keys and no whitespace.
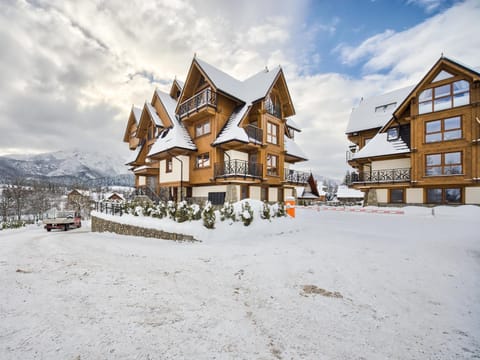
{"x":66,"y":167}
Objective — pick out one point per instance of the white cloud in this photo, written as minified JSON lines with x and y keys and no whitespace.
{"x":429,"y":5}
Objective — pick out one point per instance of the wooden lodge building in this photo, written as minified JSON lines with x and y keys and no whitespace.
{"x":215,"y":137}
{"x":421,"y":144}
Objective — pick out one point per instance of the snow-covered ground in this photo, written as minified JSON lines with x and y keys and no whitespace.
{"x":325,"y":285}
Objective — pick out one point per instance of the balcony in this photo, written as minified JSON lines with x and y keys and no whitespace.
{"x":203,"y":101}
{"x":296,"y":177}
{"x":380,"y":176}
{"x":255,"y":134}
{"x":238,"y":168}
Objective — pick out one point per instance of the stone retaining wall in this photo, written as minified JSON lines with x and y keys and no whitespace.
{"x":102,"y":225}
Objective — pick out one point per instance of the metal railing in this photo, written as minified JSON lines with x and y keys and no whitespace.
{"x":293,"y":176}
{"x":203,"y":99}
{"x":242,"y":168}
{"x":381,"y":176}
{"x":110,"y":208}
{"x":254,"y":133}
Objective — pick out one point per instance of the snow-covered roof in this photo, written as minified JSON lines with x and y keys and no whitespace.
{"x":109,"y":195}
{"x":133,"y":156}
{"x":137,"y":113}
{"x":174,"y":137}
{"x":376,"y":111}
{"x":344,"y":191}
{"x":293,"y":149}
{"x":232,"y":130}
{"x":153,"y":114}
{"x":292,"y":124}
{"x":379,"y":145}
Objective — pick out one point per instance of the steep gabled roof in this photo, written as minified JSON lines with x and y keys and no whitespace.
{"x":232,"y":131}
{"x":376,"y":111}
{"x":175,"y":136}
{"x":153,"y":114}
{"x":134,"y":118}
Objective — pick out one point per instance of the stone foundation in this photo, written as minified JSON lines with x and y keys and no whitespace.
{"x":102,"y":225}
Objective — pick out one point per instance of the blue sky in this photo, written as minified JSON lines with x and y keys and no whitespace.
{"x":71,"y":70}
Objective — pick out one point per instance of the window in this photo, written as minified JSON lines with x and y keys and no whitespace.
{"x":169,"y":165}
{"x":264,"y":193}
{"x":393,"y":134}
{"x":444,"y":196}
{"x":396,"y":196}
{"x":442,"y":75}
{"x":442,"y":130}
{"x":386,"y":107}
{"x":202,"y":128}
{"x":272,"y":105}
{"x":272,"y":164}
{"x":443,"y":164}
{"x":202,"y":161}
{"x":444,"y":97}
{"x":272,"y":133}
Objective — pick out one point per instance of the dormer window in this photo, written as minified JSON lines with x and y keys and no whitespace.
{"x":386,"y":107}
{"x":393,"y":134}
{"x":444,"y":97}
{"x":272,"y":105}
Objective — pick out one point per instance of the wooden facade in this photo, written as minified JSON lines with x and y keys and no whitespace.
{"x":229,"y":142}
{"x":432,"y":141}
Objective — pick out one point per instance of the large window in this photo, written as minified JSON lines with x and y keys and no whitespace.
{"x":272,"y":164}
{"x":443,"y":164}
{"x":444,"y":196}
{"x":444,"y":97}
{"x":272,"y":105}
{"x":272,"y":133}
{"x":202,"y":128}
{"x":442,"y":130}
{"x":202,"y":161}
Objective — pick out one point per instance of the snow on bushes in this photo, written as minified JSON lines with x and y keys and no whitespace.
{"x":244,"y":211}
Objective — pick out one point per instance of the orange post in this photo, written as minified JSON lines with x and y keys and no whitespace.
{"x":290,"y":205}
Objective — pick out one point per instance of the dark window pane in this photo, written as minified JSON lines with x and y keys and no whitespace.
{"x":452,"y":170}
{"x":453,"y":195}
{"x":434,"y":196}
{"x":396,"y":195}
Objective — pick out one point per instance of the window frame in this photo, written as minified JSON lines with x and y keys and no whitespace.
{"x":442,"y":165}
{"x":202,"y":125}
{"x":442,"y":130}
{"x":271,"y":166}
{"x":443,"y":195}
{"x":435,"y":101}
{"x":271,"y":135}
{"x":393,"y":133}
{"x":169,"y":165}
{"x":402,"y":201}
{"x":202,"y":161}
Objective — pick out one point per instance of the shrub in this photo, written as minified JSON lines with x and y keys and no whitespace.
{"x":194,"y":212}
{"x":208,"y":216}
{"x":246,"y":214}
{"x":181,"y":214}
{"x":265,"y":214}
{"x":279,"y":210}
{"x":171,"y":209}
{"x":227,"y":212}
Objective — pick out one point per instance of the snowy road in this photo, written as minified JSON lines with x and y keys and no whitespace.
{"x":331,"y":286}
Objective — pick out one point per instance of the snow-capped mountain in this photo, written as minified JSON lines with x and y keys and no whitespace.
{"x":77,"y":164}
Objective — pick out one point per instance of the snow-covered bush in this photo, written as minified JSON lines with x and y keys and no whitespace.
{"x":159,"y":211}
{"x":171,"y":209}
{"x":208,"y":216}
{"x":227,"y":212}
{"x":194,"y":212}
{"x":265,"y":213}
{"x":279,"y":209}
{"x":15,"y":224}
{"x":181,"y":214}
{"x":247,"y":214}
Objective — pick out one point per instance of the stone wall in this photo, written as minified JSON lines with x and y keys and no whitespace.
{"x":102,"y":225}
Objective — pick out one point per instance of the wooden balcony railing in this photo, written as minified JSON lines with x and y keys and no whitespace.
{"x":297,"y":177}
{"x":254,"y":133}
{"x":238,"y":168}
{"x":380,"y":176}
{"x":197,"y":102}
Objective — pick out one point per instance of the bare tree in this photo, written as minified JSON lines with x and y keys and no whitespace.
{"x":6,"y":203}
{"x":19,"y":193}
